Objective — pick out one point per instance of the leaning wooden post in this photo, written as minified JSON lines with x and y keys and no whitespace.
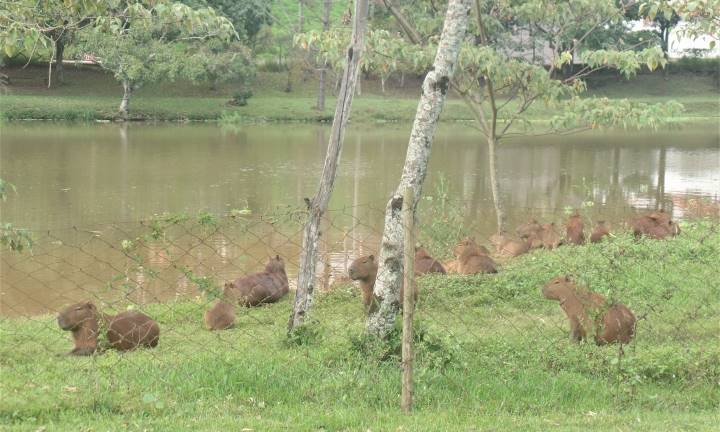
{"x":408,"y":219}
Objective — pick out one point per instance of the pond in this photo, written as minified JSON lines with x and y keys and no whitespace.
{"x":83,"y":189}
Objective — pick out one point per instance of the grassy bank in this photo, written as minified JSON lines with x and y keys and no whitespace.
{"x":493,"y":355}
{"x":92,"y":95}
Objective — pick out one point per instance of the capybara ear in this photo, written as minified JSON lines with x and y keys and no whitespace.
{"x":277,"y":257}
{"x":371,"y":257}
{"x":568,"y":278}
{"x":229,"y":285}
{"x":89,"y":305}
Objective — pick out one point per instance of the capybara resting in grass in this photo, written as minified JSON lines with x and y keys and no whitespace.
{"x":424,"y":263}
{"x":531,"y":232}
{"x":601,"y":230}
{"x":267,"y":286}
{"x":612,"y":323}
{"x":472,"y":259}
{"x":509,"y":246}
{"x":125,"y":331}
{"x":364,"y":269}
{"x":574,"y":228}
{"x":656,"y":225}
{"x":551,"y":239}
{"x":222,"y":315}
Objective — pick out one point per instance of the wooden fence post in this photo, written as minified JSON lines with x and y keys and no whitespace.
{"x":408,"y":219}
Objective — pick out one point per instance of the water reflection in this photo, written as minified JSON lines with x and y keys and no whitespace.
{"x":102,"y":179}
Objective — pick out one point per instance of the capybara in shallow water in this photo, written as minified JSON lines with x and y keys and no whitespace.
{"x":574,"y":228}
{"x":424,"y":263}
{"x":657,"y":225}
{"x":531,"y":232}
{"x":472,"y":259}
{"x":613,"y":323}
{"x":509,"y":246}
{"x":364,"y":269}
{"x":267,"y":286}
{"x":222,"y":315}
{"x":601,"y":230}
{"x":125,"y":331}
{"x":551,"y":239}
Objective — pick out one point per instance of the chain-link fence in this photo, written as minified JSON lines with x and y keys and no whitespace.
{"x":474,"y":334}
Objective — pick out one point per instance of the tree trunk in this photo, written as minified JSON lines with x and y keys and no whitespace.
{"x":434,"y":92}
{"x":323,"y":67}
{"x":495,"y":184}
{"x":409,"y":30}
{"x":318,"y":205}
{"x":125,"y":103}
{"x":59,"y":55}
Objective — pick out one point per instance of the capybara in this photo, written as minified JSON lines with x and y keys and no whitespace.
{"x":125,"y":331}
{"x":472,"y":259}
{"x":531,"y":232}
{"x":424,"y":263}
{"x":509,"y":246}
{"x":575,"y":230}
{"x":613,"y":323}
{"x":551,"y":239}
{"x":451,"y":266}
{"x":267,"y":286}
{"x":364,"y":269}
{"x":222,"y":315}
{"x":601,"y":230}
{"x":656,"y":225}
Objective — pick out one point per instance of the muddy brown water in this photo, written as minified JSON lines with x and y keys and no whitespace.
{"x":84,"y":189}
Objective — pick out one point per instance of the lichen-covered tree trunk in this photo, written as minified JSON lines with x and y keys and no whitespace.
{"x":318,"y":205}
{"x":434,"y":91}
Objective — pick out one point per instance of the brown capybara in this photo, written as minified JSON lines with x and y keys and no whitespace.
{"x":364,"y":269}
{"x":613,"y":323}
{"x":575,"y":230}
{"x":531,"y":232}
{"x":508,"y":246}
{"x":472,"y":259}
{"x":657,"y":225}
{"x":601,"y":230}
{"x":267,"y":286}
{"x":125,"y":331}
{"x":451,"y":266}
{"x":551,"y":239}
{"x":222,"y":315}
{"x":424,"y":263}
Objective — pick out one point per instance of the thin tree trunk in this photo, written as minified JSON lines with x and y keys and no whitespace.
{"x":495,"y":184}
{"x":59,"y":55}
{"x":323,"y":67}
{"x":409,"y":30}
{"x":434,"y":92}
{"x":125,"y":103}
{"x":318,"y":205}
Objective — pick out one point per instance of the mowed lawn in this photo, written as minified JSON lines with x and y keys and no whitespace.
{"x":491,"y":354}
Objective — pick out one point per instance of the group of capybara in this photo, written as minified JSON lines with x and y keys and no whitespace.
{"x":587,"y":312}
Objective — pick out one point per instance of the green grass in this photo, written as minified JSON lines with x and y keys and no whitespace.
{"x":93,"y":95}
{"x":492,"y":355}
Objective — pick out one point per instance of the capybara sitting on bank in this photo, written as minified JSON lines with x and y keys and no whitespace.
{"x":575,"y":230}
{"x":551,"y":239}
{"x":267,"y":286}
{"x":601,"y":230}
{"x":222,"y":315}
{"x":509,"y":246}
{"x":531,"y":232}
{"x":657,"y":225}
{"x":472,"y":259}
{"x":613,"y":323}
{"x":424,"y":263}
{"x":364,"y":269}
{"x":125,"y":331}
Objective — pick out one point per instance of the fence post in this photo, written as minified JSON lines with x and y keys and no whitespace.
{"x":408,"y":300}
